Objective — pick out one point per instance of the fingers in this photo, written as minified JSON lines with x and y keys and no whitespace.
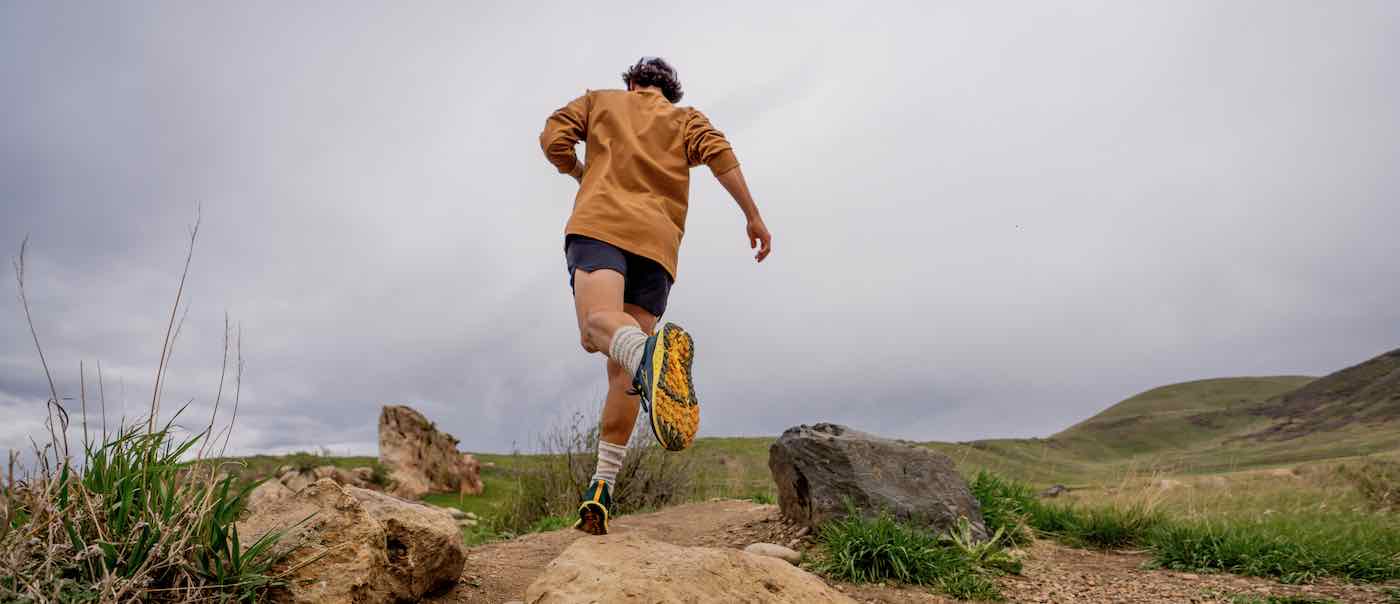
{"x":766,"y":249}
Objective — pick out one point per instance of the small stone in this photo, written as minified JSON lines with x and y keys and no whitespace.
{"x":457,"y":514}
{"x":774,"y":550}
{"x":472,"y":515}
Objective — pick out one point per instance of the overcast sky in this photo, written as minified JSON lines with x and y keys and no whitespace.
{"x":990,"y":219}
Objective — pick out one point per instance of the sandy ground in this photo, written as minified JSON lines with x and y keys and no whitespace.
{"x":500,"y":572}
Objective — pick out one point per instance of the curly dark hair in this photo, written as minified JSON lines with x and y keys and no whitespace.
{"x":655,"y":71}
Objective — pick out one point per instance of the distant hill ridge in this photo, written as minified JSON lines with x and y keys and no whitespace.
{"x":1367,"y":393}
{"x":1214,"y":425}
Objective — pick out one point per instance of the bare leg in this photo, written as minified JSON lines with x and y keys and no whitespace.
{"x":620,"y":409}
{"x":598,"y":302}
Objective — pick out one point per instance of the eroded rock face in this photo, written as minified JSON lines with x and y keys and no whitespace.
{"x":819,"y":468}
{"x":353,"y":564}
{"x":626,"y":567}
{"x":423,"y":543}
{"x":420,"y":458}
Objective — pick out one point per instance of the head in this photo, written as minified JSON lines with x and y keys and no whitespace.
{"x":657,"y":73}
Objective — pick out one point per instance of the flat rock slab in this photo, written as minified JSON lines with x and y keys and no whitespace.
{"x":629,"y":567}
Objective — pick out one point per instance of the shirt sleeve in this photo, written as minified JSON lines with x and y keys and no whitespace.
{"x":563,"y":130}
{"x":706,"y":145}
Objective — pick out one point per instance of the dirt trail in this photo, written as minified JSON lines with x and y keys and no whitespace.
{"x":500,"y":572}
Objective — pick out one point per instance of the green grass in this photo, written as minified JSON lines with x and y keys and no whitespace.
{"x":1292,"y":549}
{"x":1292,"y":545}
{"x":868,"y":549}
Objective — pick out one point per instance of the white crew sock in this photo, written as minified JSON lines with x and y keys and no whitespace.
{"x":627,"y":346}
{"x":610,"y":458}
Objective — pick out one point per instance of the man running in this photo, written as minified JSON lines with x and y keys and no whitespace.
{"x":621,"y":245}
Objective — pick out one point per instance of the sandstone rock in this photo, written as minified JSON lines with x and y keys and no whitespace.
{"x":267,"y":493}
{"x":364,"y":477}
{"x":471,"y":476}
{"x":626,"y":567}
{"x":818,"y":468}
{"x":773,"y":550}
{"x":324,"y":521}
{"x":420,"y":458}
{"x":296,"y":481}
{"x":1054,"y":491}
{"x":342,"y":476}
{"x":424,"y":546}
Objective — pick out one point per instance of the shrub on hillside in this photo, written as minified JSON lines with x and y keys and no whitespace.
{"x":552,"y":484}
{"x":1378,"y":480}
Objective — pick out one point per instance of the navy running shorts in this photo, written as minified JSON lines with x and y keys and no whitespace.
{"x":647,"y":282}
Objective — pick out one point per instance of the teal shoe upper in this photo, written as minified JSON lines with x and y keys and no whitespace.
{"x":599,"y":492}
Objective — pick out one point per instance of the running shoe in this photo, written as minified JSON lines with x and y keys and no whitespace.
{"x":593,"y":512}
{"x":667,"y":388}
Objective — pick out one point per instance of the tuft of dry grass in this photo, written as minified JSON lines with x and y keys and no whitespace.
{"x":130,"y":519}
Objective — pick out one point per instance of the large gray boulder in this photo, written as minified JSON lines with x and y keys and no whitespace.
{"x":819,"y":468}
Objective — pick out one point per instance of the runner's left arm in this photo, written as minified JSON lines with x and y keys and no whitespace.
{"x":706,"y":145}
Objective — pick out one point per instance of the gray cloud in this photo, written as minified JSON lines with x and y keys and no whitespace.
{"x":990,"y":220}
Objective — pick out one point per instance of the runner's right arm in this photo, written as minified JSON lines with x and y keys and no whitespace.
{"x":562,"y":132}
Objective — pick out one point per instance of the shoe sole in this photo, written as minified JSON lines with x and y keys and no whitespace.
{"x":592,"y":518}
{"x":675,"y":412}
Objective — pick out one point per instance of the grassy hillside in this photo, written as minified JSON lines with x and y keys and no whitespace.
{"x":1364,"y":394}
{"x":1176,"y":417}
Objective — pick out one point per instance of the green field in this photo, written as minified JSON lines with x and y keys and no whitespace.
{"x":1216,"y":439}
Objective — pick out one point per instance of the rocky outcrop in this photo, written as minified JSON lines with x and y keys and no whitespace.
{"x":356,"y":545}
{"x":422,"y":459}
{"x":325,"y":524}
{"x":627,"y":567}
{"x":471,"y":476}
{"x":297,"y":479}
{"x":269,"y":492}
{"x":423,"y":542}
{"x":818,"y":469}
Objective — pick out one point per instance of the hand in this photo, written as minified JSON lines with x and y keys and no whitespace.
{"x":760,"y":239}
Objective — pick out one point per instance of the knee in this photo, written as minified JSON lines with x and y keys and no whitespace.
{"x":596,"y":321}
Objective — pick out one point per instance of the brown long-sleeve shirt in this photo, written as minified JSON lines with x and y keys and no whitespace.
{"x":636,"y":180}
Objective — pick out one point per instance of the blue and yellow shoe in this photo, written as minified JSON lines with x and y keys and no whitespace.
{"x":593,"y":512}
{"x":667,"y":387}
